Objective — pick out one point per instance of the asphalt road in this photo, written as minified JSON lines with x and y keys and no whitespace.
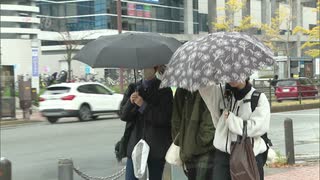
{"x":306,"y":131}
{"x":35,"y":149}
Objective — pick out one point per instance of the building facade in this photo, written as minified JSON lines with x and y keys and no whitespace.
{"x":19,"y":37}
{"x":46,"y":25}
{"x":89,"y":19}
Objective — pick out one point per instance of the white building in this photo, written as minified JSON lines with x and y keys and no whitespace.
{"x":19,"y":37}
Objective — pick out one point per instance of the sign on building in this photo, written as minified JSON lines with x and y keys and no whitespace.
{"x":35,"y":62}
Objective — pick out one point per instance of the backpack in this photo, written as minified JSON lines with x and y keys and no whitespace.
{"x":254,"y":102}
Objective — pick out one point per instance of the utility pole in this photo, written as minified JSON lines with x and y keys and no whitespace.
{"x":119,"y":22}
{"x":0,"y":84}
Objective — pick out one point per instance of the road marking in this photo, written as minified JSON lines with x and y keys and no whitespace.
{"x":284,"y":114}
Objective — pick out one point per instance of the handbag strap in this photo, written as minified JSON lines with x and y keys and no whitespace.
{"x":175,"y":138}
{"x":244,"y":131}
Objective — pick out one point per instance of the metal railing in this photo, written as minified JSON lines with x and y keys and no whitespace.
{"x":301,"y":93}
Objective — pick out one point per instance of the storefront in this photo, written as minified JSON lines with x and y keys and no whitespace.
{"x":7,"y":95}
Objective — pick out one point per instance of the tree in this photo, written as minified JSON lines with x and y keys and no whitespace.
{"x":313,"y":42}
{"x":226,"y":23}
{"x":272,"y":35}
{"x":71,"y":45}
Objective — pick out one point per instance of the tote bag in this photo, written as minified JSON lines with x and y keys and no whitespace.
{"x":243,"y":165}
{"x":173,"y":154}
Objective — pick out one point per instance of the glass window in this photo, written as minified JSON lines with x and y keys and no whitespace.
{"x":44,"y":8}
{"x":102,"y":90}
{"x":203,"y":22}
{"x":88,"y":89}
{"x":195,"y":4}
{"x":175,"y":3}
{"x":148,"y":11}
{"x":57,"y":90}
{"x":84,"y":8}
{"x":287,"y":83}
{"x":131,"y":24}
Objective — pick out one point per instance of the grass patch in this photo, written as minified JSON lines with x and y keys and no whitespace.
{"x":296,"y":102}
{"x":280,"y":161}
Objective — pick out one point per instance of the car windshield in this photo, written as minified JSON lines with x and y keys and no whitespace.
{"x":286,"y":83}
{"x":57,"y":90}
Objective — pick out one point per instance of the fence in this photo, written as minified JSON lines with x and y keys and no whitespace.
{"x":281,"y":93}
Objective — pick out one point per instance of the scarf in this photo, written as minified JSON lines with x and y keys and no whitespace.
{"x":241,"y":93}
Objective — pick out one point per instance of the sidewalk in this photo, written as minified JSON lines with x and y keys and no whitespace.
{"x":310,"y":172}
{"x":34,"y":117}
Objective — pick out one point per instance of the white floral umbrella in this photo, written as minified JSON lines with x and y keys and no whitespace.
{"x":216,"y":58}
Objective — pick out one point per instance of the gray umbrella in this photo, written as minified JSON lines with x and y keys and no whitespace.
{"x":216,"y":58}
{"x":128,"y":50}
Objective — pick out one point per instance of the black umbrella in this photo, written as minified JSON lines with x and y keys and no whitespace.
{"x":128,"y":50}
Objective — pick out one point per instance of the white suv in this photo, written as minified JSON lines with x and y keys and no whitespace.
{"x":83,"y":100}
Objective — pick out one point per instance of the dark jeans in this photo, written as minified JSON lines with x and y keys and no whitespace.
{"x":155,"y":168}
{"x":222,"y":166}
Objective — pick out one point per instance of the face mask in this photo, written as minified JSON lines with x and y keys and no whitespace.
{"x":148,"y":73}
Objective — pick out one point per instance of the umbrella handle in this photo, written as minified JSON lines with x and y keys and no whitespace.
{"x":224,"y":103}
{"x":135,"y":76}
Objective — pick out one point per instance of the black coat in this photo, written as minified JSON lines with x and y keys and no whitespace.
{"x":154,"y":124}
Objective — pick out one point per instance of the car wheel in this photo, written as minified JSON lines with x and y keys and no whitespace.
{"x":85,"y":113}
{"x":279,"y":101}
{"x":52,"y":120}
{"x":95,"y":117}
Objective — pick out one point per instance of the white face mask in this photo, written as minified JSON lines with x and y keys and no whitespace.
{"x":148,"y":73}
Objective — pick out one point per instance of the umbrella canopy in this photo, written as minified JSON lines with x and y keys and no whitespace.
{"x":128,"y":50}
{"x":216,"y":58}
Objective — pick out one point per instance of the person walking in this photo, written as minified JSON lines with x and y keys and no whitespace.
{"x":228,"y":122}
{"x":149,"y":109}
{"x":193,"y":131}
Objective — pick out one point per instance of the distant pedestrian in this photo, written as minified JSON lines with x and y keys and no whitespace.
{"x":274,"y":81}
{"x":228,"y":122}
{"x":193,"y":131}
{"x":149,"y":110}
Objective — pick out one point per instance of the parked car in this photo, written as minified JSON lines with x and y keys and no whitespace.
{"x":85,"y":100}
{"x":289,"y":89}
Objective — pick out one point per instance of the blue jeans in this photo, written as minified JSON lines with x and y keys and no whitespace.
{"x":155,"y":168}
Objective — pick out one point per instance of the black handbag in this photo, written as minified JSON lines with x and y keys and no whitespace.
{"x":120,"y":148}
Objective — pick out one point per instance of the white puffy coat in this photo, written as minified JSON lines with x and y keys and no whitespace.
{"x":227,"y":130}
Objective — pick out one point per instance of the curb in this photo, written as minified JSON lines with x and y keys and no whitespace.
{"x":295,"y":107}
{"x":17,"y":122}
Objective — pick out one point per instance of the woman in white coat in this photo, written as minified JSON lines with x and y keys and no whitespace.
{"x":228,"y":121}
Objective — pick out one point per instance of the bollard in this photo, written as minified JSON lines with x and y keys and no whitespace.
{"x":65,"y":169}
{"x":5,"y":169}
{"x":289,"y":143}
